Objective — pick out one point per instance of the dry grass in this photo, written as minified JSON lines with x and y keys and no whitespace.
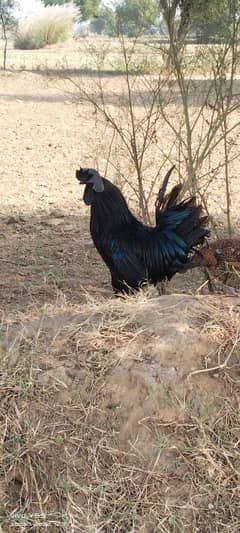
{"x":65,"y":464}
{"x":53,"y":25}
{"x":223,"y":327}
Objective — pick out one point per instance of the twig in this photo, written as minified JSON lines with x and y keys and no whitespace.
{"x":217,"y":367}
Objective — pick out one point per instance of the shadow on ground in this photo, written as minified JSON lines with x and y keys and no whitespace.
{"x":44,"y":259}
{"x":200,"y":91}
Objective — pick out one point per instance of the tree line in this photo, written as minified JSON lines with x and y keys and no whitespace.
{"x":204,"y":20}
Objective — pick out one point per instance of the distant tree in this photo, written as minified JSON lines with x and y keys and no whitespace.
{"x":135,"y":16}
{"x":7,"y":23}
{"x":105,"y":21}
{"x":210,"y":20}
{"x":213,"y":21}
{"x":55,"y":2}
{"x":88,"y":8}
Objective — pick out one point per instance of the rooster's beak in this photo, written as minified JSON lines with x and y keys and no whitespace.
{"x":79,"y":177}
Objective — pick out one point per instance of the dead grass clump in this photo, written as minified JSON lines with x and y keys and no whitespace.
{"x":68,"y":462}
{"x":52,"y":25}
{"x":221,"y":324}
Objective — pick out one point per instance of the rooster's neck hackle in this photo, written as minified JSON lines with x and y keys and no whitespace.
{"x":110,"y":209}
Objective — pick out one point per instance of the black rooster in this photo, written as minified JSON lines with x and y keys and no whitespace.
{"x":134,"y":252}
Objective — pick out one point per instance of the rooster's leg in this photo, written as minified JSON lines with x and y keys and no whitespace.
{"x":161,"y":288}
{"x":209,"y":278}
{"x":226,"y":276}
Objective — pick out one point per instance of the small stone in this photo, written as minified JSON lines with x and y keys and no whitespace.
{"x":56,"y":376}
{"x":12,"y":220}
{"x":70,"y":227}
{"x":52,"y":222}
{"x":57,"y":213}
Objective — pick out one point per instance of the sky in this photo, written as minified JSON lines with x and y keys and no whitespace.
{"x":28,"y":7}
{"x":33,"y":7}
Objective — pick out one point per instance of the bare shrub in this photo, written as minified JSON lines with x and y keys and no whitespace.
{"x":208,"y":100}
{"x":133,"y":117}
{"x":193,"y":95}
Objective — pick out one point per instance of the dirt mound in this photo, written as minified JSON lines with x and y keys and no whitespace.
{"x":113,"y":420}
